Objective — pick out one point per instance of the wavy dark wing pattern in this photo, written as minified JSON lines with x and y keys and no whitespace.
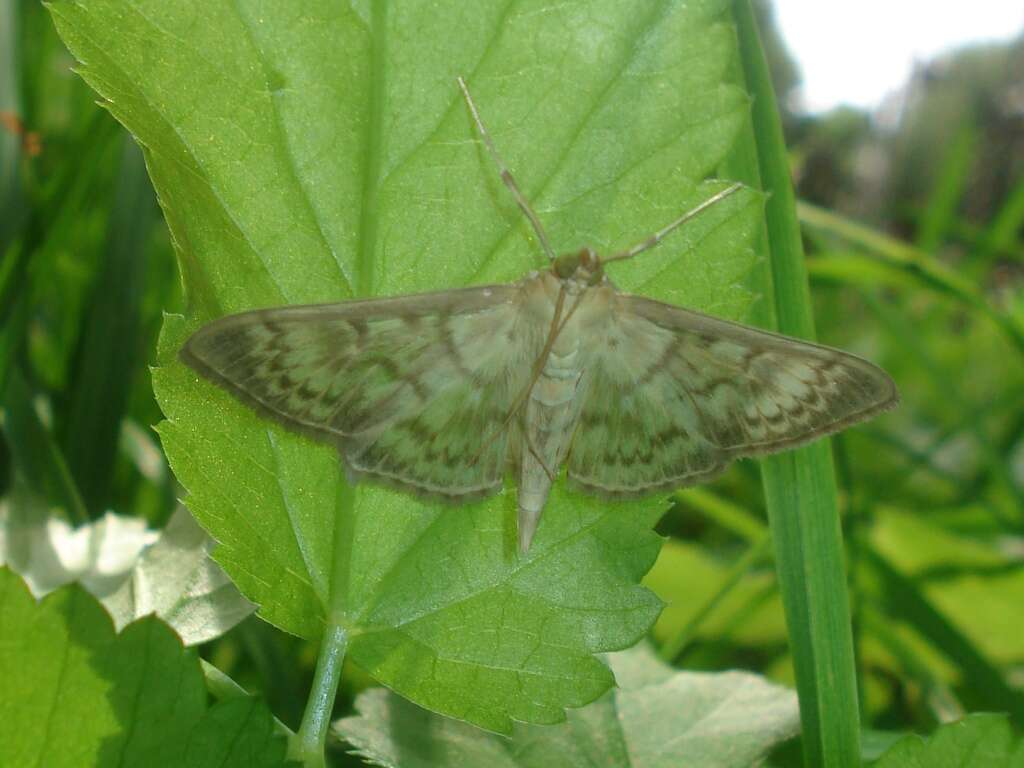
{"x":672,"y":396}
{"x":413,"y":390}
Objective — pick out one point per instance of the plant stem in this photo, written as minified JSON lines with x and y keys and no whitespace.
{"x":308,"y":746}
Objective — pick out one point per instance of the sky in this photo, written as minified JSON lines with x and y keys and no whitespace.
{"x":856,"y":53}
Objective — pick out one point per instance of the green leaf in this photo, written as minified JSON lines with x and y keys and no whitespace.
{"x":76,"y":694}
{"x":876,"y":743}
{"x":308,"y":152}
{"x":656,"y":717}
{"x":977,"y":740}
{"x":132,"y":570}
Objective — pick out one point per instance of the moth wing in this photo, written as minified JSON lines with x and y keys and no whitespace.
{"x":413,"y":390}
{"x":672,"y":396}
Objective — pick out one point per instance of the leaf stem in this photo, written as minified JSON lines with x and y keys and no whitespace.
{"x":223,"y":688}
{"x":308,"y":746}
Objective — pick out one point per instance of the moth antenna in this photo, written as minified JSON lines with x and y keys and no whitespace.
{"x":658,"y":236}
{"x":506,"y":174}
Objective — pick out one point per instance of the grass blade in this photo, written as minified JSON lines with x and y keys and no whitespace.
{"x":11,"y":199}
{"x":34,"y":451}
{"x":1001,"y":234}
{"x":108,"y":349}
{"x":948,"y":191}
{"x":930,"y":272}
{"x":800,"y":487}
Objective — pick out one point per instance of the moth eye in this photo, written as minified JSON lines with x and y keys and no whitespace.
{"x":566,"y":265}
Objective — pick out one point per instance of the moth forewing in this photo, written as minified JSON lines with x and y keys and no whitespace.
{"x":694,"y":392}
{"x":404,"y":387}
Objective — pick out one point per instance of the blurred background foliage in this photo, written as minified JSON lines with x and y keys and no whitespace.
{"x":914,"y":227}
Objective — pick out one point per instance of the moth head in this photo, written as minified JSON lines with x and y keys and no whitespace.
{"x":584,"y":266}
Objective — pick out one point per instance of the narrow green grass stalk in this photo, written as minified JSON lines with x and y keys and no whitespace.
{"x":729,"y":516}
{"x":1001,"y":234}
{"x":35,"y":453}
{"x":949,"y":188}
{"x":949,"y":394}
{"x":800,"y":488}
{"x":11,"y":199}
{"x":941,"y":700}
{"x":928,"y":271}
{"x":755,"y":553}
{"x":110,"y":336}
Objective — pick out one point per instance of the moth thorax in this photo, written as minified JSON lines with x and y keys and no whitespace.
{"x":583,"y":267}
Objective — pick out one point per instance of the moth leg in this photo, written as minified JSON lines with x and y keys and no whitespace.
{"x":506,"y":175}
{"x":658,"y":236}
{"x":529,"y":446}
{"x":542,"y":358}
{"x":538,"y":368}
{"x":568,"y":317}
{"x":533,"y":452}
{"x":485,"y":443}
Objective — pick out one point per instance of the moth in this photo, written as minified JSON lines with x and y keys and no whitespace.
{"x":441,"y":394}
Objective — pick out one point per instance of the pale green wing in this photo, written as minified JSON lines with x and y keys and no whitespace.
{"x":412,"y":390}
{"x":672,"y":396}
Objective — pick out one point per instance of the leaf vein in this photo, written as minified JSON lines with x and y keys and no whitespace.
{"x":292,"y":164}
{"x":643,"y":31}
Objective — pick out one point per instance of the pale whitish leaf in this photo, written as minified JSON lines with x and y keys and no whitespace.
{"x":176,"y":579}
{"x":48,"y":552}
{"x":657,"y":717}
{"x":134,"y":571}
{"x":75,"y":694}
{"x":310,"y":152}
